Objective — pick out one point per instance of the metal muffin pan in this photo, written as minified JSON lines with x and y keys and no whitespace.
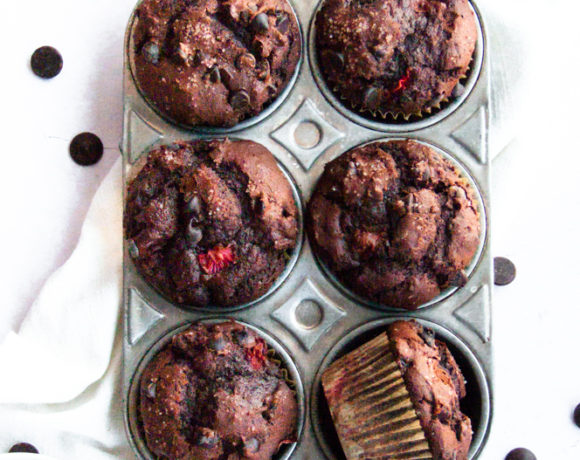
{"x":309,"y":318}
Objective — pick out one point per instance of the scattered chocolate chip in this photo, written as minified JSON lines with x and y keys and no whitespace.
{"x":194,"y":205}
{"x":46,"y":62}
{"x":194,"y":234}
{"x":246,"y":60}
{"x":86,"y":149}
{"x":240,"y":100}
{"x":208,"y":439}
{"x":428,"y":336}
{"x":218,"y":344}
{"x":251,"y":446}
{"x":520,"y":453}
{"x":261,"y":24}
{"x":283,"y":24}
{"x":23,"y":447}
{"x":371,"y":99}
{"x":263,"y":69}
{"x":151,"y":52}
{"x":271,"y":88}
{"x":245,"y":339}
{"x":151,"y":390}
{"x":226,"y":76}
{"x":576,"y":416}
{"x":504,"y":271}
{"x":458,"y":90}
{"x":378,"y":53}
{"x":214,"y":74}
{"x":133,"y":249}
{"x":258,"y":48}
{"x":245,"y":16}
{"x":426,"y":174}
{"x":335,"y":59}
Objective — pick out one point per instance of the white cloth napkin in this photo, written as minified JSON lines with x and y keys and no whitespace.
{"x":60,"y":385}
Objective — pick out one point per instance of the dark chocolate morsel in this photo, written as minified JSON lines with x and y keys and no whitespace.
{"x":336,"y":59}
{"x":46,"y":62}
{"x":151,"y":52}
{"x":214,"y":74}
{"x":261,"y":24}
{"x":207,"y":439}
{"x":246,"y":60}
{"x":133,"y":249}
{"x":226,"y":76}
{"x":194,"y":234}
{"x":504,"y":271}
{"x":576,"y":416}
{"x":86,"y":149}
{"x":240,"y":100}
{"x":194,"y":205}
{"x":218,"y":344}
{"x":251,"y":446}
{"x":23,"y":447}
{"x":371,"y":99}
{"x":151,"y":390}
{"x":428,"y":336}
{"x":520,"y":453}
{"x":283,"y":24}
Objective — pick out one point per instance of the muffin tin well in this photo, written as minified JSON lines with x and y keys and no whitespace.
{"x":307,"y":314}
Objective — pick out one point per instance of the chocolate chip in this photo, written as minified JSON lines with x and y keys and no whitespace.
{"x":240,"y":100}
{"x":371,"y":99}
{"x":218,"y":344}
{"x":283,"y":24}
{"x":261,"y":24}
{"x":46,"y":62}
{"x":226,"y":76}
{"x":133,"y":249}
{"x":263,"y":69}
{"x":151,"y":52}
{"x":576,"y":416}
{"x":194,"y":234}
{"x":86,"y":149}
{"x":245,"y":340}
{"x":428,"y":336}
{"x":504,"y":271}
{"x":214,"y":74}
{"x":151,"y":390}
{"x":271,"y":87}
{"x":520,"y":453}
{"x":460,"y":279}
{"x":246,"y":60}
{"x":245,"y":16}
{"x":251,"y":446}
{"x":336,"y":59}
{"x":23,"y":447}
{"x":194,"y":205}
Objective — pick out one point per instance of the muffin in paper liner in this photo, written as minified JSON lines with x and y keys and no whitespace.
{"x":371,"y":407}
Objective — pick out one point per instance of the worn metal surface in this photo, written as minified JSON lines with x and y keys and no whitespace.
{"x":309,"y":317}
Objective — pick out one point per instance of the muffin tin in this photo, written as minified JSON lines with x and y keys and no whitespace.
{"x":307,"y":316}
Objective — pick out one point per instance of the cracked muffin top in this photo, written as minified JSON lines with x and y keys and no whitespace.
{"x":214,"y":62}
{"x":395,"y":222}
{"x":395,"y":56}
{"x":212,"y":393}
{"x":210,"y":223}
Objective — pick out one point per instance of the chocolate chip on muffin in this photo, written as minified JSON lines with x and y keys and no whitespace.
{"x":395,"y":57}
{"x":395,"y":222}
{"x":210,"y":223}
{"x":216,"y":395}
{"x":214,"y":62}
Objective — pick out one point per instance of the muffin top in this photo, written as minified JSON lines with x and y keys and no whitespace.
{"x":436,"y":385}
{"x":395,"y":222}
{"x":212,"y":393}
{"x":210,"y":222}
{"x":395,"y":56}
{"x":214,"y":62}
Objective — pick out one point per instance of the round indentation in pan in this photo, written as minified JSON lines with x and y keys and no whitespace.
{"x":389,"y":123}
{"x":290,"y":264}
{"x":476,"y":404}
{"x":131,"y":409}
{"x":468,"y":270}
{"x":214,"y":130}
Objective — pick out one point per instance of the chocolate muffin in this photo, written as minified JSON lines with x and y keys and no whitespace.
{"x":436,"y":386}
{"x":212,"y":394}
{"x":395,"y":222}
{"x":214,"y":62}
{"x":210,"y":223}
{"x":394,"y":56}
{"x":398,"y":396}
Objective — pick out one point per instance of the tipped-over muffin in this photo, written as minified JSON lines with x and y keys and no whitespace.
{"x":213,"y":394}
{"x":396,"y":57}
{"x":395,"y":222}
{"x":210,"y":223}
{"x":214,"y":62}
{"x":399,"y":395}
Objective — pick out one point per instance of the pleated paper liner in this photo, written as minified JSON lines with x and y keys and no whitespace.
{"x":370,"y":406}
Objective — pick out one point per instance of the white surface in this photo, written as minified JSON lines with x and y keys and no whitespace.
{"x":535,"y":204}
